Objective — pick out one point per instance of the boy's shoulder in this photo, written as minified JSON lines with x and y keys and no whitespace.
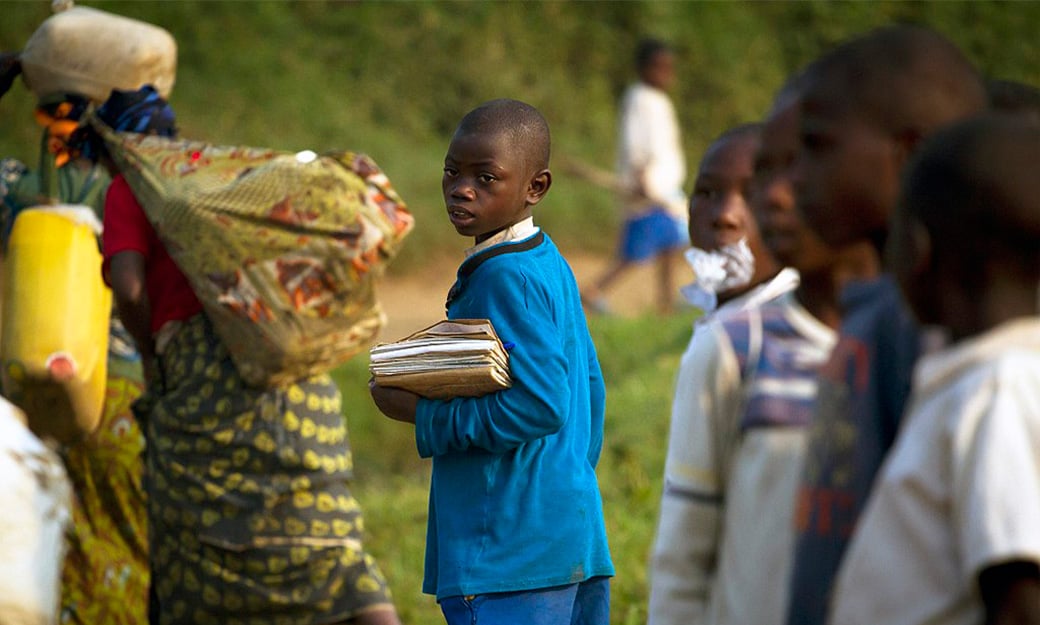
{"x":513,"y":256}
{"x":1009,"y":352}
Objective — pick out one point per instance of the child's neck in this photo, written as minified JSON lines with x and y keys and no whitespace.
{"x":818,"y":292}
{"x":970,"y":312}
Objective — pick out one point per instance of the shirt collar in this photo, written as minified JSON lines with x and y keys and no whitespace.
{"x":516,"y":232}
{"x":940,"y":367}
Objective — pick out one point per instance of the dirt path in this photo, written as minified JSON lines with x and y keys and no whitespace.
{"x":416,"y":300}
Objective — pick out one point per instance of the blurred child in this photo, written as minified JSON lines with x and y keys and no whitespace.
{"x":732,"y":268}
{"x":516,"y":531}
{"x":720,"y":219}
{"x":866,"y":105}
{"x":951,"y":533}
{"x":651,"y":169}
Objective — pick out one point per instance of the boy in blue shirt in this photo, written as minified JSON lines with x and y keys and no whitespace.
{"x":516,"y":531}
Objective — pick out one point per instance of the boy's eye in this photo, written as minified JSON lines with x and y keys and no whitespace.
{"x":705,"y":192}
{"x":486,"y":178}
{"x":450,"y":171}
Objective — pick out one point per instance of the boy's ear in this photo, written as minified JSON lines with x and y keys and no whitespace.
{"x":907,"y":141}
{"x":538,"y":186}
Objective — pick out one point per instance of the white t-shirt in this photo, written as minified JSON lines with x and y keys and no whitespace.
{"x":960,"y":490}
{"x":35,"y":502}
{"x":649,"y":143}
{"x":724,"y":539}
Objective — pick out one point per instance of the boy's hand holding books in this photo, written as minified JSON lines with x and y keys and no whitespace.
{"x":452,"y":358}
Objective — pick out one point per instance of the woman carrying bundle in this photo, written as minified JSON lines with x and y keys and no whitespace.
{"x":250,"y":513}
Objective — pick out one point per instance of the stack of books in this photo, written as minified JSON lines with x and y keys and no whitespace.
{"x":456,"y":358}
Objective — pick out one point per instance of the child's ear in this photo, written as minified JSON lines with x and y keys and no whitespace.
{"x":538,"y":186}
{"x":907,"y":142}
{"x":908,"y":252}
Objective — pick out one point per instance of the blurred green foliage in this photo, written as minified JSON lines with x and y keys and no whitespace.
{"x":393,"y":78}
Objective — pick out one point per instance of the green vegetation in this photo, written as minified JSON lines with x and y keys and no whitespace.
{"x":639,"y":358}
{"x":392,"y":78}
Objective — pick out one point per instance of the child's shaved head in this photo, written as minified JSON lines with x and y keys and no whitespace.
{"x":522,"y":123}
{"x":978,"y":180}
{"x":905,"y":78}
{"x":966,"y":237}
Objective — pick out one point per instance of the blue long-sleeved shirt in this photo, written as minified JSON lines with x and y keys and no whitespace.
{"x":514,"y":500}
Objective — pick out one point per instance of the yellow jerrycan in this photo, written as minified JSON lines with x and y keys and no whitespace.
{"x":55,"y":319}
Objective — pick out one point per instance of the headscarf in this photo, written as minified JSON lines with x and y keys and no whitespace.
{"x":143,"y":111}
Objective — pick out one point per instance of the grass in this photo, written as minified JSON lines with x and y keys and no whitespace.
{"x":639,"y":359}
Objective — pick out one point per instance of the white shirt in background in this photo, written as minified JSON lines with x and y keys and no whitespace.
{"x":649,"y":145}
{"x":960,"y":490}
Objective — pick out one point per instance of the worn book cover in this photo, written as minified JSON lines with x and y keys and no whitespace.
{"x":451,"y":358}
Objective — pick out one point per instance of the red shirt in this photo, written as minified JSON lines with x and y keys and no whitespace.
{"x":128,"y":229}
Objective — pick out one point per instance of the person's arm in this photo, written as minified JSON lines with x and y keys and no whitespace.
{"x":395,"y":403}
{"x":995,"y":467}
{"x":538,"y":402}
{"x":126,"y":275}
{"x":597,"y":405}
{"x":704,"y":417}
{"x":125,"y":244}
{"x":1011,"y":593}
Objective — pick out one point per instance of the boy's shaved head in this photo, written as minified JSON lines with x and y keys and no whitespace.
{"x":966,"y":236}
{"x":521,"y":122}
{"x":978,"y":180}
{"x":906,"y":78}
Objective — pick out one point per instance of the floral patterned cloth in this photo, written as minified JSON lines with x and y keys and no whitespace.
{"x":105,"y":577}
{"x":283,"y":249}
{"x":251,"y":514}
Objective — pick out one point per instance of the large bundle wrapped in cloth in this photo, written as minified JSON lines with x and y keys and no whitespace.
{"x":56,"y":310}
{"x":283,"y":249}
{"x":91,"y":52}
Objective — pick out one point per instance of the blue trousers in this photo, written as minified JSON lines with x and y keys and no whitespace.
{"x":587,"y":603}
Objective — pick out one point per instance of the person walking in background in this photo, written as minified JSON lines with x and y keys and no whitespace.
{"x":651,"y":171}
{"x":865,"y":107}
{"x":951,"y":533}
{"x":516,"y":531}
{"x":251,"y":518}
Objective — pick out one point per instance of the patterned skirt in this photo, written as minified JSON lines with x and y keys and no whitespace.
{"x":251,"y":520}
{"x":105,"y":575}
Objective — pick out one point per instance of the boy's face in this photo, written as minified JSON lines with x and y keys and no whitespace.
{"x":486,"y":185}
{"x":784,"y":232}
{"x":659,"y":72}
{"x":847,"y":172}
{"x":719,"y":210}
